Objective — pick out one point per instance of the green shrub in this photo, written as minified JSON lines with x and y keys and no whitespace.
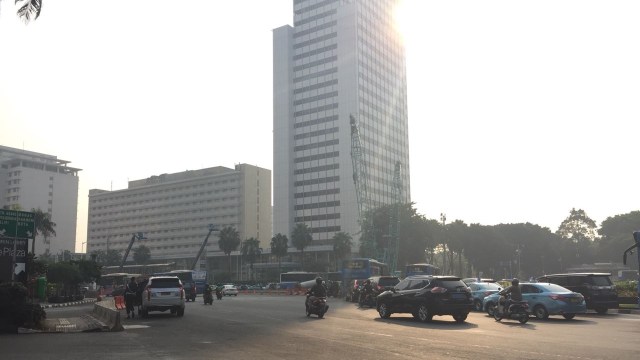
{"x":627,"y":288}
{"x":14,"y":310}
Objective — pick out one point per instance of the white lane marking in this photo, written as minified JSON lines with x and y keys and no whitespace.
{"x":130,"y":327}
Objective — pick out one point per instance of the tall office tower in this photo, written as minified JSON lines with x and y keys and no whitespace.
{"x":30,"y":180}
{"x":341,"y":58}
{"x":174,"y":211}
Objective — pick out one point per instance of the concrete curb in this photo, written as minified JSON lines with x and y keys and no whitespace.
{"x":105,"y":311}
{"x":72,"y":303}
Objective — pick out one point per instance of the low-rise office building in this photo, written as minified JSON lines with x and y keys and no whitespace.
{"x":173,"y":211}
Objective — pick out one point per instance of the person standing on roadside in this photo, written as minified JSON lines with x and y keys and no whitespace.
{"x":130,"y":297}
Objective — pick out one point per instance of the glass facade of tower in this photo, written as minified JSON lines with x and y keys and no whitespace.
{"x":343,"y":58}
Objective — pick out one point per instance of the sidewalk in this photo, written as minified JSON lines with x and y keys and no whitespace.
{"x":84,"y":323}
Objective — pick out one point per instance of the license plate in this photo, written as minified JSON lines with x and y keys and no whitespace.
{"x":165,"y":293}
{"x":457,"y":296}
{"x":574,"y":300}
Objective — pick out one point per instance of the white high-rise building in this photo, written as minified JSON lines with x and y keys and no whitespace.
{"x":30,"y":180}
{"x":174,"y":211}
{"x":341,"y":58}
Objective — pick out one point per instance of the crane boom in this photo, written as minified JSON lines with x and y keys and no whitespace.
{"x":360,"y":175}
{"x":204,"y":244}
{"x":138,"y":236}
{"x":361,"y":182}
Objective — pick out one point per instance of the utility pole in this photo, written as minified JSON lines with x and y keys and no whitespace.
{"x":443,"y":218}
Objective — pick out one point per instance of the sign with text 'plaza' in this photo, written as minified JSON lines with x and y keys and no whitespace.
{"x":17,"y":224}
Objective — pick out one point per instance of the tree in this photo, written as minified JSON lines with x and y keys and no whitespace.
{"x":43,"y":226}
{"x":279,"y":247}
{"x":108,"y":258}
{"x":28,"y":10}
{"x":251,"y":249}
{"x":89,"y":271}
{"x":342,"y":243}
{"x":228,"y":241}
{"x":141,"y":255}
{"x":616,"y":236}
{"x":301,"y":238}
{"x":581,"y":231}
{"x":65,"y":273}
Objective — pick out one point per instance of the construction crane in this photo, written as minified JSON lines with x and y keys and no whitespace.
{"x":361,"y":182}
{"x":393,"y":246}
{"x":136,"y":236}
{"x":212,"y":228}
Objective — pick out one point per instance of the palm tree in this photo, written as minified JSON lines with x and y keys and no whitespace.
{"x":251,"y":249}
{"x":29,"y":9}
{"x":43,"y":226}
{"x":229,"y":240}
{"x":279,"y":247}
{"x":301,"y":238}
{"x":342,"y":243}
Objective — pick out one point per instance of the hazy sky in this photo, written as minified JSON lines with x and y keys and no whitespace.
{"x":518,"y":110}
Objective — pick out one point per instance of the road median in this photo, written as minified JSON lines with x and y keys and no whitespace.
{"x":106,"y":312}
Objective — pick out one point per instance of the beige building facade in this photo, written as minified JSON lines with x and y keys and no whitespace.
{"x":174,"y":211}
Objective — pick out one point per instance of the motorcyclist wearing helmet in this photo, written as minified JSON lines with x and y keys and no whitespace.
{"x":318,"y":290}
{"x":514,"y":291}
{"x":367,"y":290}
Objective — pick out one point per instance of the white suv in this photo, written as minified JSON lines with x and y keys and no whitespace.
{"x":163,"y":293}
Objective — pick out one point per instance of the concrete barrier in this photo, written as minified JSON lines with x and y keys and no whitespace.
{"x":106,"y":312}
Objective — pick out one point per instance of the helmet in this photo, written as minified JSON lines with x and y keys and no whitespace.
{"x":515,"y":282}
{"x":318,"y":280}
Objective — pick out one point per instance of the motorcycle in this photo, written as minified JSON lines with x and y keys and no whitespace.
{"x":219,"y":293}
{"x":368,"y":299}
{"x":208,"y":296}
{"x":517,"y":310}
{"x":317,"y":307}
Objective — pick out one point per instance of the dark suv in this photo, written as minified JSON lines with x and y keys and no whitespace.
{"x":597,"y":288}
{"x":425,"y":296}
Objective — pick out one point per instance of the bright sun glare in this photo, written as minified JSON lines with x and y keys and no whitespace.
{"x":402,"y":19}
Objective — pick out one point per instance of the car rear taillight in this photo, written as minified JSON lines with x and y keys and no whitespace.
{"x":181,"y":289}
{"x":557,"y":297}
{"x":487,"y":293}
{"x":439,"y":290}
{"x":148,"y":290}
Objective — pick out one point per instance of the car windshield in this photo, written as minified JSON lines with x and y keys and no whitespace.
{"x":554,"y":288}
{"x":600,"y":280}
{"x":452,"y":284}
{"x":489,"y":286}
{"x":388,"y":281}
{"x":165,"y":283}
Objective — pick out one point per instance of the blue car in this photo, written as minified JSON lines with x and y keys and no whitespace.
{"x":545,"y":299}
{"x":480,"y":290}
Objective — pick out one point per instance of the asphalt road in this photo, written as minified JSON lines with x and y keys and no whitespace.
{"x":275,"y":327}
